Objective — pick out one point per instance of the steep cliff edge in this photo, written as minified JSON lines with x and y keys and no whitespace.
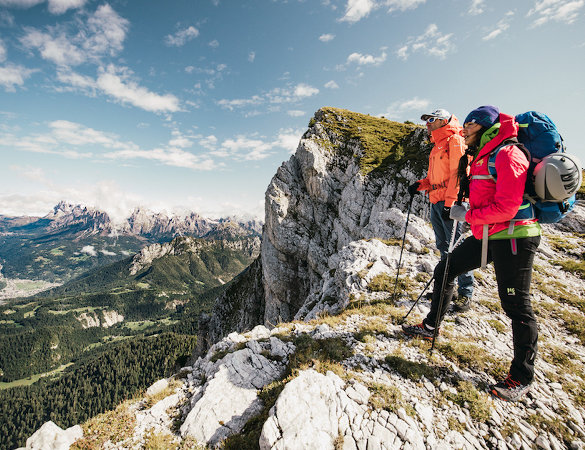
{"x":347,"y":181}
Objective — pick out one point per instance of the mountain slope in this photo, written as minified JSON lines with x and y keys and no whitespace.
{"x":342,"y":375}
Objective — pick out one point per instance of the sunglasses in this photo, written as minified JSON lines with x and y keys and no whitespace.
{"x":432,"y":119}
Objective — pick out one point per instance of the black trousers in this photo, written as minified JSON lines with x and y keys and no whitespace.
{"x":513,"y":275}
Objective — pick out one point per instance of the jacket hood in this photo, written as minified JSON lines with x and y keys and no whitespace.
{"x":449,"y":129}
{"x":508,"y":128}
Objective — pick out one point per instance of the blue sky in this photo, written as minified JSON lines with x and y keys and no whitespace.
{"x":194,"y":104}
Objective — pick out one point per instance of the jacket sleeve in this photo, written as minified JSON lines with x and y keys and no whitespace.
{"x":456,"y":151}
{"x":512,"y":170}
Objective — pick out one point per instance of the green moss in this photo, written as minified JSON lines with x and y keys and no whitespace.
{"x":409,"y":369}
{"x":572,"y":266}
{"x":384,"y":396}
{"x":477,"y":403}
{"x":473,"y":356}
{"x":371,"y":329}
{"x":385,"y":143}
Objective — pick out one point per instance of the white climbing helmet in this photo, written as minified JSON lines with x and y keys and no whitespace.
{"x":557,"y":177}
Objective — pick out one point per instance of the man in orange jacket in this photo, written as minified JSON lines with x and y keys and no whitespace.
{"x":442,"y":187}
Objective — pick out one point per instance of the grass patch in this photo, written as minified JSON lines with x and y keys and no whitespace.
{"x":371,"y":329}
{"x":409,"y":369}
{"x":385,"y":143}
{"x":572,"y":266}
{"x":497,"y":325}
{"x":477,"y":403}
{"x":474,"y":357}
{"x":151,"y":400}
{"x":556,"y":427}
{"x":384,"y":396}
{"x":114,"y":426}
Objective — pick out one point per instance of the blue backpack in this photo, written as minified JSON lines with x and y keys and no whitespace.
{"x":539,"y":138}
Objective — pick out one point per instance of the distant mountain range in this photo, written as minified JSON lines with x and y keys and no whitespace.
{"x":72,"y":239}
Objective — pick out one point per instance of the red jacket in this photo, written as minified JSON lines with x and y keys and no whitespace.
{"x":496,"y":203}
{"x":441,"y":182}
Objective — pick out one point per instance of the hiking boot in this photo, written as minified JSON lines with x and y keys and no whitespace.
{"x":460,"y":304}
{"x":420,"y":331}
{"x":509,"y":390}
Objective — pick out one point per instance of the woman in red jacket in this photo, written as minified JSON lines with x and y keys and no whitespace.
{"x":511,"y":242}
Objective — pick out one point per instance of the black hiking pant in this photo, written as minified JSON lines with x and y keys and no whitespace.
{"x":513,"y":275}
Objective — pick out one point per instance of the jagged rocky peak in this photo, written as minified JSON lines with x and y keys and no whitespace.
{"x":348,"y":173}
{"x":346,"y":182}
{"x":66,"y":214}
{"x":188,"y":244}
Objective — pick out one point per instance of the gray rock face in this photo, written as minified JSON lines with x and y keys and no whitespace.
{"x":316,"y":205}
{"x":53,"y":437}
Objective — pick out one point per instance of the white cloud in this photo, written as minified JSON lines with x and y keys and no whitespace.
{"x":2,"y":51}
{"x":304,"y":90}
{"x":245,"y":148}
{"x":20,"y":3}
{"x":13,"y":75}
{"x":326,"y":37}
{"x":75,"y":134}
{"x":398,"y":109}
{"x":362,"y":60}
{"x":107,"y":253}
{"x":214,"y":43}
{"x":402,"y":5}
{"x":477,"y":7}
{"x":432,"y":42}
{"x":356,"y":10}
{"x":290,"y":94}
{"x":565,"y":11}
{"x":62,"y":6}
{"x":181,"y":37}
{"x":55,"y":6}
{"x":102,"y":35}
{"x":289,"y":139}
{"x":331,"y":85}
{"x":89,"y":249}
{"x":501,"y":26}
{"x":251,"y":56}
{"x":296,"y":113}
{"x":115,"y":82}
{"x":168,"y":156}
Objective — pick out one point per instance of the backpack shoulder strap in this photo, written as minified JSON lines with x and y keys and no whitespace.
{"x":492,"y":158}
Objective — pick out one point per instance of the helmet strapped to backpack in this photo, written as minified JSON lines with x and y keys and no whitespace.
{"x":557,"y":177}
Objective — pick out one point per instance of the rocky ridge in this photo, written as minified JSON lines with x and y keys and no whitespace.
{"x":342,"y":375}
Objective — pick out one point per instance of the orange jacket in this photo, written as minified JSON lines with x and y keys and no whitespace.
{"x":441,"y":182}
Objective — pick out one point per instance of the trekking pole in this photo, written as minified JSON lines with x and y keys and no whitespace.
{"x":443,"y":282}
{"x":416,"y":301}
{"x":402,"y":248}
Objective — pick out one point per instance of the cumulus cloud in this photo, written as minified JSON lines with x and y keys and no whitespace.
{"x":55,"y":6}
{"x":214,"y":43}
{"x":398,"y":109}
{"x":116,"y":83}
{"x":331,"y":85}
{"x":296,"y":113}
{"x":501,"y":26}
{"x":432,"y":42}
{"x":181,"y":37}
{"x":290,"y":94}
{"x":326,"y":37}
{"x":565,"y":11}
{"x":251,"y":56}
{"x":13,"y":75}
{"x":102,"y":34}
{"x":62,"y":6}
{"x":168,"y":156}
{"x":362,"y":60}
{"x":356,"y":10}
{"x":288,"y":139}
{"x":477,"y":7}
{"x":2,"y":51}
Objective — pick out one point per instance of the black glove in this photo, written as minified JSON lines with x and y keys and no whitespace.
{"x":413,"y":188}
{"x":445,"y":213}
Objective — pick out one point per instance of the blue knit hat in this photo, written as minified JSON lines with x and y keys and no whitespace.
{"x":485,"y":116}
